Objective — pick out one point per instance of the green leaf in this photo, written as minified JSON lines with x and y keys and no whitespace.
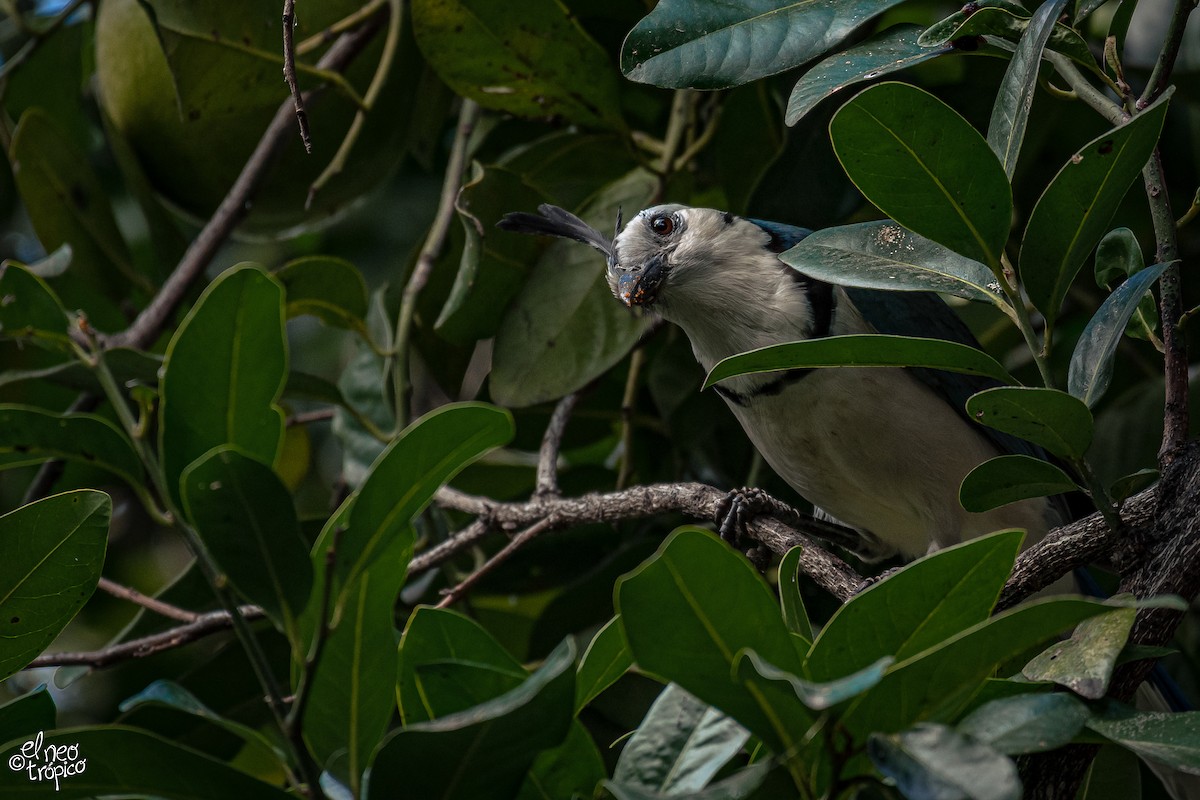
{"x":1010,"y":113}
{"x":887,"y":51}
{"x":795,"y":616}
{"x":936,"y":682}
{"x":1118,"y":256}
{"x":564,"y":329}
{"x":1091,"y":363}
{"x":1085,"y":662}
{"x":883,"y":255}
{"x":128,"y":761}
{"x":54,"y":550}
{"x":947,"y":29}
{"x":1074,"y":212}
{"x":916,"y":608}
{"x":1115,"y":773}
{"x":679,"y":746}
{"x":29,"y":308}
{"x":531,"y":59}
{"x":244,"y":515}
{"x":1055,"y":420}
{"x":330,"y":289}
{"x":934,"y":761}
{"x":435,"y":635}
{"x":573,"y":769}
{"x":924,"y":166}
{"x":1028,"y":723}
{"x":1127,"y":486}
{"x":223,"y":372}
{"x":861,"y":350}
{"x":817,"y":696}
{"x":409,"y":471}
{"x":1007,"y":479}
{"x":484,"y":751}
{"x":1171,"y":738}
{"x":31,"y":435}
{"x":681,"y":631}
{"x":606,"y":659}
{"x":24,"y":716}
{"x":700,"y":44}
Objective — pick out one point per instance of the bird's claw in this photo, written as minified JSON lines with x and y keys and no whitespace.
{"x":735,"y":511}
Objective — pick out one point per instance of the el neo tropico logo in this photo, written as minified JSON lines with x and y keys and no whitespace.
{"x":49,"y":763}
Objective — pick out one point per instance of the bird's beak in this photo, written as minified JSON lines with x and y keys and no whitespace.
{"x":639,"y":287}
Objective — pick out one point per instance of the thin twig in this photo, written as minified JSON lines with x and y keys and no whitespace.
{"x":429,"y":559}
{"x":344,"y":24}
{"x":30,"y":47}
{"x":308,"y":417}
{"x":289,"y":72}
{"x":295,"y":717}
{"x":1160,"y":76}
{"x":628,"y":408}
{"x":147,"y":602}
{"x":502,"y":555}
{"x":547,"y":471}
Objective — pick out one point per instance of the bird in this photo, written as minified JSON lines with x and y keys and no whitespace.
{"x":880,"y":450}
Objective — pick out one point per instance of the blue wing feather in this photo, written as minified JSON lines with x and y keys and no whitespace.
{"x":783,"y":237}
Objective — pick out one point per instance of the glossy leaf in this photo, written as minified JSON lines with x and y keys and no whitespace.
{"x":1010,"y":113}
{"x":817,"y":696}
{"x":604,"y":662}
{"x":223,"y":372}
{"x":888,"y":51}
{"x":1171,"y":738}
{"x":1119,"y":256}
{"x":1085,"y":662}
{"x":30,"y":435}
{"x":924,"y":166}
{"x":245,"y":516}
{"x":679,"y":746}
{"x":24,"y":716}
{"x":795,"y":616}
{"x":883,"y":255}
{"x":934,"y":761}
{"x":531,"y":59}
{"x":861,"y":350}
{"x":918,"y":607}
{"x":1029,"y":723}
{"x":484,"y":751}
{"x":573,"y":769}
{"x":29,"y":308}
{"x":1075,"y":210}
{"x":409,"y":471}
{"x":946,"y":30}
{"x":698,"y":649}
{"x":699,"y":44}
{"x":435,"y":635}
{"x":1091,"y":363}
{"x":54,"y":550}
{"x":1007,"y":479}
{"x":1129,"y":485}
{"x":330,"y":289}
{"x":123,"y":761}
{"x":564,"y":329}
{"x":1052,"y":419}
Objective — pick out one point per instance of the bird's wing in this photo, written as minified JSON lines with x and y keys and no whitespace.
{"x":783,"y":237}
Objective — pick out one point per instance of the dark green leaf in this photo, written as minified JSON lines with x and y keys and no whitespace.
{"x":817,"y":696}
{"x":885,"y":52}
{"x":946,"y":30}
{"x":1091,"y":363}
{"x":861,"y":350}
{"x":31,"y":435}
{"x":1118,"y":256}
{"x":699,"y":44}
{"x":883,"y":255}
{"x":565,"y":329}
{"x":244,"y":514}
{"x":438,"y":635}
{"x":573,"y":769}
{"x":1028,"y":723}
{"x":453,"y":685}
{"x":1129,"y":485}
{"x":679,"y":746}
{"x":1010,"y":113}
{"x":1055,"y":420}
{"x":934,"y":762}
{"x":923,"y":604}
{"x":795,"y":616}
{"x":331,"y":289}
{"x":531,"y":59}
{"x":606,"y":659}
{"x":1074,"y":212}
{"x":24,"y":716}
{"x":1007,"y":479}
{"x":683,"y":632}
{"x":1115,"y":773}
{"x":925,"y":167}
{"x":123,"y":761}
{"x":1084,"y":663}
{"x":223,"y":373}
{"x":29,"y":307}
{"x":409,"y":471}
{"x":1171,"y":738}
{"x":54,"y":550}
{"x":484,"y":751}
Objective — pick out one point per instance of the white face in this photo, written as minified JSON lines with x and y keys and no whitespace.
{"x":643,"y":253}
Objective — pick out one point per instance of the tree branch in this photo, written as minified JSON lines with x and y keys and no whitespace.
{"x":289,"y":72}
{"x":147,"y":602}
{"x":547,"y":471}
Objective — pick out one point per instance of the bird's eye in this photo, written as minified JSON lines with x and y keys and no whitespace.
{"x":663,"y":225}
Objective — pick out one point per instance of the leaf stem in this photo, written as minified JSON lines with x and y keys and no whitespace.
{"x":1039,"y":352}
{"x":628,"y":406}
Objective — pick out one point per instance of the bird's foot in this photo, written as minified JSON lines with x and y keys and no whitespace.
{"x":871,"y":580}
{"x":737,"y":509}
